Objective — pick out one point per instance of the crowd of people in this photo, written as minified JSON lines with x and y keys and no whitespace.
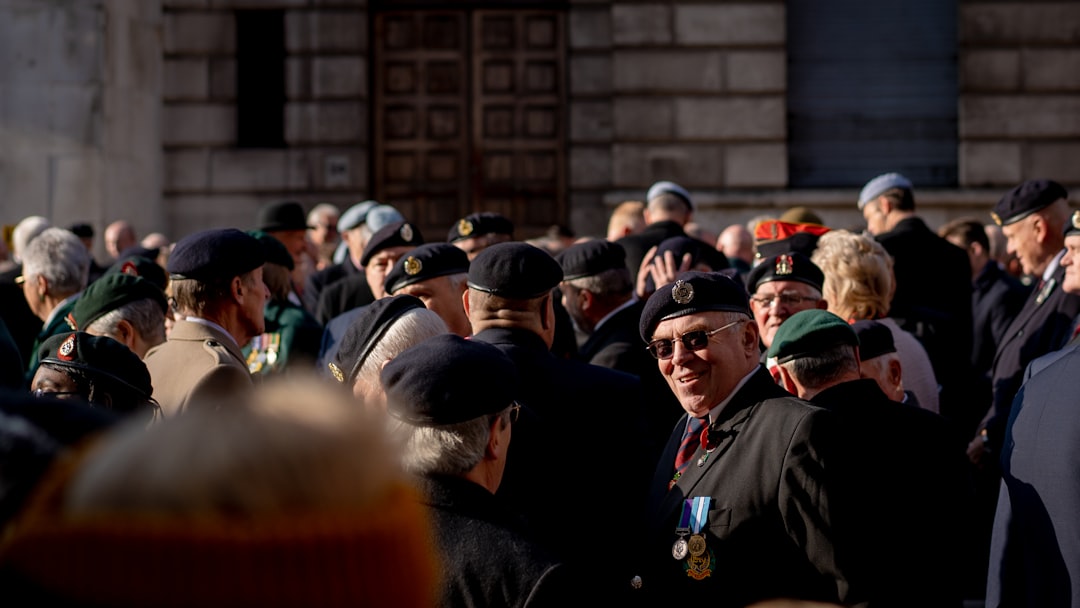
{"x":328,"y":409}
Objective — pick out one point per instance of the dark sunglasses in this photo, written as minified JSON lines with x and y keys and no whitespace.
{"x":692,"y":340}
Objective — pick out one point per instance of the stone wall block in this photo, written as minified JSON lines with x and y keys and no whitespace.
{"x":986,"y":164}
{"x":990,"y":70}
{"x":641,"y":24}
{"x":730,"y":118}
{"x":338,"y":31}
{"x":644,"y":118}
{"x":681,"y":71}
{"x":325,"y":123}
{"x":590,"y":167}
{"x":1051,"y":69}
{"x":187,"y":170}
{"x":590,"y":121}
{"x":248,"y":170}
{"x":756,"y":165}
{"x":198,"y":124}
{"x":222,"y":79}
{"x":339,"y":77}
{"x":756,"y":71}
{"x":590,"y":75}
{"x":590,"y":28}
{"x":720,"y":23}
{"x":690,"y":165}
{"x":200,"y":33}
{"x":1008,"y":23}
{"x":986,"y":116}
{"x":1053,"y":160}
{"x":186,"y":79}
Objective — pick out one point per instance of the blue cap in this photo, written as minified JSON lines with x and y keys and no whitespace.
{"x":355,"y":215}
{"x":877,"y":186}
{"x":670,"y":188}
{"x":218,"y":254}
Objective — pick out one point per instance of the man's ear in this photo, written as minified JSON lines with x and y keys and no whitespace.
{"x":496,"y":447}
{"x":1040,"y":227}
{"x":787,"y":381}
{"x":547,"y":321}
{"x":587,"y":299}
{"x":237,"y":287}
{"x":885,"y":205}
{"x":896,"y":372}
{"x":465,"y":301}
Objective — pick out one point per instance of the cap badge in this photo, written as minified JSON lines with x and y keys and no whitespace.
{"x":129,"y":268}
{"x":70,"y":320}
{"x":682,"y":292}
{"x":464,"y":227}
{"x":413,"y":266}
{"x":1076,"y":220}
{"x":334,"y":369}
{"x":997,"y":218}
{"x":406,"y":233}
{"x":65,"y":350}
{"x":784,"y":265}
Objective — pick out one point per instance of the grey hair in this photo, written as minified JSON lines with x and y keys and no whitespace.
{"x":410,"y":329}
{"x":24,"y":232}
{"x":60,"y":257}
{"x":825,"y":367}
{"x":614,"y":281}
{"x":457,"y":281}
{"x":453,"y":449}
{"x":322,"y":209}
{"x":144,"y":315}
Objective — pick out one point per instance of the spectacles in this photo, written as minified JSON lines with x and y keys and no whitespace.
{"x":787,"y":299}
{"x":692,"y":340}
{"x":515,"y":412}
{"x":39,"y":393}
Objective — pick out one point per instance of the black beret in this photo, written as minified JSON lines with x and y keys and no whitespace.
{"x":397,"y":234}
{"x":692,"y":293}
{"x":284,"y":215}
{"x":111,"y":292}
{"x":1025,"y":199}
{"x":139,"y":266}
{"x":82,"y":230}
{"x":591,"y":258}
{"x":478,"y":224}
{"x":274,"y":251}
{"x":365,"y":332}
{"x":1072,"y":227}
{"x":448,"y":379}
{"x":875,"y":339}
{"x":514,"y":270}
{"x":98,"y":356}
{"x":426,"y":262}
{"x":791,"y":266}
{"x":217,"y":254}
{"x":809,"y":332}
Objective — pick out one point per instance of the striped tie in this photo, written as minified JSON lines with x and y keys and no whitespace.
{"x":690,"y":442}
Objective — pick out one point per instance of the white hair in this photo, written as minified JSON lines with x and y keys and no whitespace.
{"x":453,"y":449}
{"x":59,"y":256}
{"x":24,"y":232}
{"x":144,"y":315}
{"x":321,"y":209}
{"x":408,"y":330}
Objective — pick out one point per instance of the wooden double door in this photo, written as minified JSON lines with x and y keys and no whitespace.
{"x":469,"y":116}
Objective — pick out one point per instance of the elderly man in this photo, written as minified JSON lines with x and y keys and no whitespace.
{"x":456,"y":440}
{"x":119,"y":236}
{"x":477,"y":231}
{"x":575,"y":411}
{"x":740,"y":508}
{"x":379,"y":333}
{"x":907,"y":507}
{"x":668,"y":207}
{"x":124,"y":307}
{"x":782,"y":286}
{"x":435,"y":273}
{"x":219,"y":292}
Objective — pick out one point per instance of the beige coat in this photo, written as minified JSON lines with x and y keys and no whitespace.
{"x":197,"y":366}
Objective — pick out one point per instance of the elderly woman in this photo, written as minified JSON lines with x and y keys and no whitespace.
{"x":859,"y":285}
{"x":55,"y":268}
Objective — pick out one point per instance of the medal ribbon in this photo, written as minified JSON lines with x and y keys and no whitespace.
{"x":699,"y":512}
{"x":684,"y":520}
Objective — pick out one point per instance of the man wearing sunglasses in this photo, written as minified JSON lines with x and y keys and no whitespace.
{"x":740,"y":508}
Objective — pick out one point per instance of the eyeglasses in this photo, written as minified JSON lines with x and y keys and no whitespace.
{"x":787,"y":299}
{"x":39,"y":393}
{"x":692,"y":340}
{"x":515,"y":412}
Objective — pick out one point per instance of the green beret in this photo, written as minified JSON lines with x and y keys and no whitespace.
{"x":809,"y":332}
{"x":274,"y":250}
{"x":139,"y":266}
{"x":111,"y":292}
{"x":99,"y":356}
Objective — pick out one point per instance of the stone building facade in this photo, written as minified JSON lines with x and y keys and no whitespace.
{"x":546,"y":111}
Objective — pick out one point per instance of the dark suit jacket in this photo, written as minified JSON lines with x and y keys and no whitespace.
{"x":346,"y":294}
{"x":580,"y":441}
{"x":21,"y":321}
{"x":908,"y":503}
{"x":617,"y":345}
{"x":317,"y":281}
{"x":637,"y":244}
{"x":995,"y":301}
{"x":770,"y":525}
{"x":1042,"y":326}
{"x":933,"y":302}
{"x":1036,"y":541}
{"x":488,"y":558}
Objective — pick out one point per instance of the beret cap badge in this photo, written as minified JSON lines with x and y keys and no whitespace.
{"x":784,"y":265}
{"x":66,"y":348}
{"x":130,"y":268}
{"x":996,"y":217}
{"x":682,"y":292}
{"x":413,"y":266}
{"x":406,"y":233}
{"x":1076,"y":219}
{"x":465,"y":227}
{"x":334,"y":369}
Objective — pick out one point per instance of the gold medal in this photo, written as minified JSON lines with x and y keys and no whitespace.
{"x":699,"y":567}
{"x":696,"y":546}
{"x":679,"y":549}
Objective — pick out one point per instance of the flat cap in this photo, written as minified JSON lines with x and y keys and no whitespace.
{"x":274,"y":251}
{"x":877,"y":186}
{"x":514,"y":270}
{"x":283,"y":215}
{"x":447,"y":380}
{"x":98,"y":356}
{"x":355,"y":216}
{"x":217,"y":254}
{"x":365,"y":332}
{"x":792,"y":266}
{"x":591,"y":258}
{"x":396,"y":234}
{"x":110,"y":292}
{"x":808,"y":333}
{"x":670,"y":188}
{"x":479,"y":224}
{"x":691,"y":293}
{"x":426,"y":262}
{"x":1025,"y":199}
{"x":138,"y":266}
{"x":875,"y":339}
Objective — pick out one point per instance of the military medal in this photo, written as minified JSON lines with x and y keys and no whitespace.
{"x":696,"y":545}
{"x":1046,"y":290}
{"x":699,"y":564}
{"x":679,"y":550}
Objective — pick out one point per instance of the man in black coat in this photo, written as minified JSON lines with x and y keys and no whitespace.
{"x":906,"y":506}
{"x":744,"y":510}
{"x":580,"y":443}
{"x":933,"y":287}
{"x":453,"y":402}
{"x":668,"y":208}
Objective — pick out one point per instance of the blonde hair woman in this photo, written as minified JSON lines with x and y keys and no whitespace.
{"x":859,"y":285}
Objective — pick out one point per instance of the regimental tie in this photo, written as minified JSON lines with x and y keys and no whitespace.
{"x":690,"y":442}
